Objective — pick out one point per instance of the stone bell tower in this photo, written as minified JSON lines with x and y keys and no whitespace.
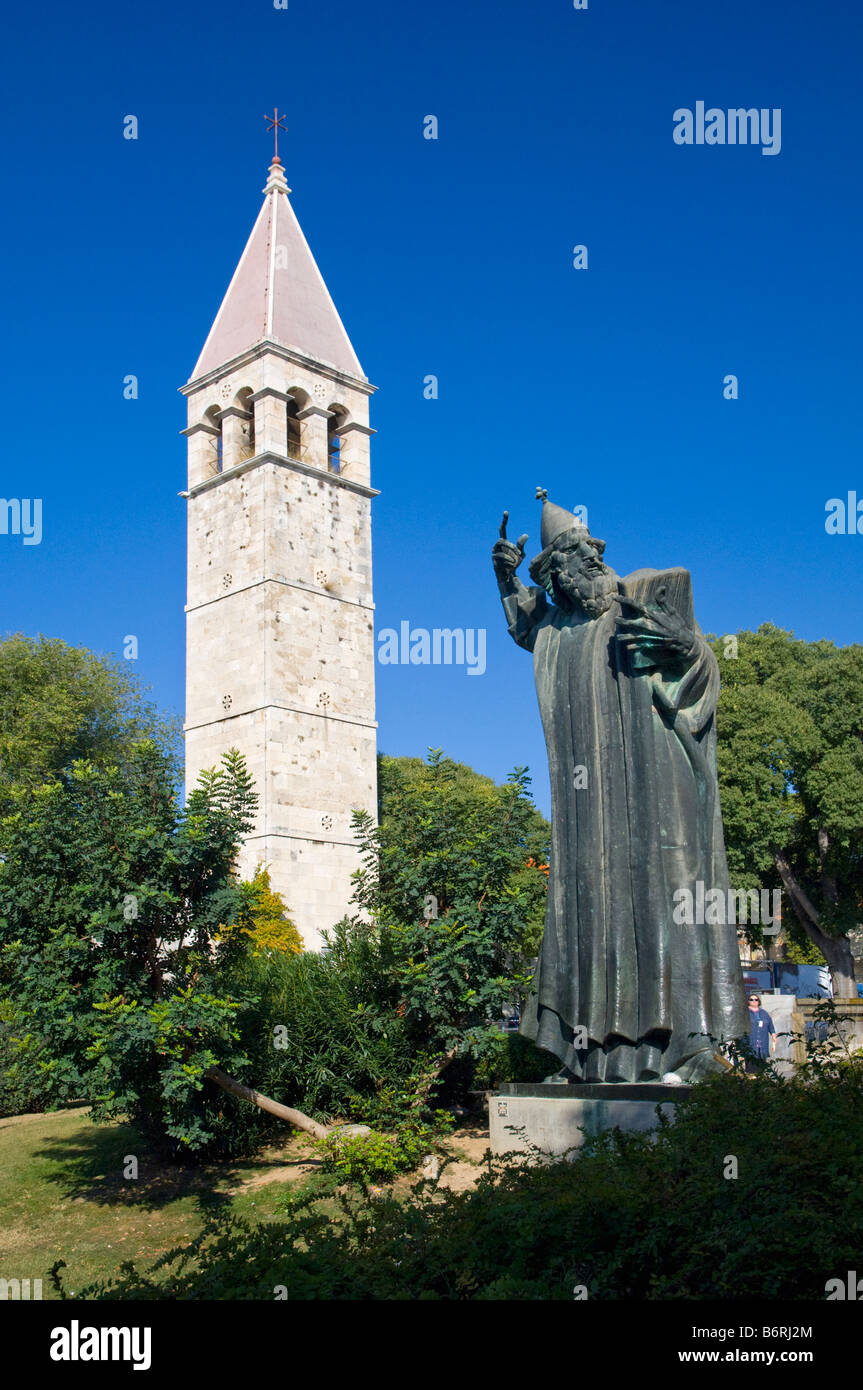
{"x":279,"y":625}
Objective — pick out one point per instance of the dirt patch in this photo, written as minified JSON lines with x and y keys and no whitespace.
{"x":291,"y":1162}
{"x":295,"y":1162}
{"x":466,"y":1151}
{"x":38,"y":1116}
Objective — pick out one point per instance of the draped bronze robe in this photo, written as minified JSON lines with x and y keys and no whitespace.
{"x":645,"y":823}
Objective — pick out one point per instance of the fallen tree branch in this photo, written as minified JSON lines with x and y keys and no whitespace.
{"x":282,"y":1112}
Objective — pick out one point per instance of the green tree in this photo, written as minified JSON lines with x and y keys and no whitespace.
{"x":324,"y":1028}
{"x":455,"y":878}
{"x":111,"y":901}
{"x":59,"y":704}
{"x":790,"y":757}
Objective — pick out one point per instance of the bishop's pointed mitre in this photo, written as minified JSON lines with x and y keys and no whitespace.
{"x":555,"y":521}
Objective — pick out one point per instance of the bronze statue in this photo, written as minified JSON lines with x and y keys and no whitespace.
{"x":627,"y":690}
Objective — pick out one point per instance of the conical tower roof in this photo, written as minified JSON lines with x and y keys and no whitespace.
{"x":278,"y":293}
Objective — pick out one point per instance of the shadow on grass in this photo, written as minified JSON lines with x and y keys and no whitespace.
{"x":89,"y":1166}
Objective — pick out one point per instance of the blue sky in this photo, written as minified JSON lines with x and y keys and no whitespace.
{"x":454,"y":258}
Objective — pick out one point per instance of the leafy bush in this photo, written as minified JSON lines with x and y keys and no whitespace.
{"x":111,"y":900}
{"x":269,"y":927}
{"x":376,"y":1157}
{"x":633,"y":1217}
{"x":28,"y":1078}
{"x":454,"y":877}
{"x":322,"y":1033}
{"x":510,"y":1057}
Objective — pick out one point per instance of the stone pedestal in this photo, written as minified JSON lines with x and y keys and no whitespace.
{"x":556,"y":1118}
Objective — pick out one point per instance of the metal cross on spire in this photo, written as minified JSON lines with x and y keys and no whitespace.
{"x":276,"y":124}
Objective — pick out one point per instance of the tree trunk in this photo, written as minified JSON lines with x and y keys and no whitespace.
{"x":283,"y":1112}
{"x":828,"y":880}
{"x":836,"y":950}
{"x":428,"y":1078}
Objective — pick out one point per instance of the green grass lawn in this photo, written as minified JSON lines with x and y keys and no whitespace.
{"x":63,"y":1196}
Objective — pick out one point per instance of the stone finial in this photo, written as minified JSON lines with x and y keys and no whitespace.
{"x":276,"y":182}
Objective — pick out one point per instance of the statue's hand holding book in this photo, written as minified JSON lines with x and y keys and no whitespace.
{"x":651,"y":627}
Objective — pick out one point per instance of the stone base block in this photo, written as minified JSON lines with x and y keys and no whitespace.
{"x":556,"y":1118}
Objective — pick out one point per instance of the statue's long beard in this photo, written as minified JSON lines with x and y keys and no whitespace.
{"x":592,"y":596}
